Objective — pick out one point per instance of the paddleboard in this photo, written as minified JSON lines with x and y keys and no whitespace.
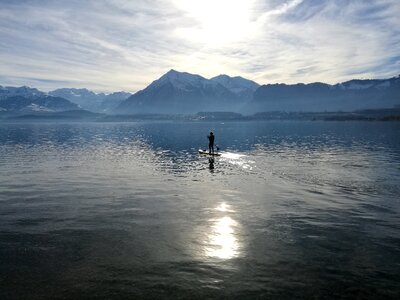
{"x":205,"y":152}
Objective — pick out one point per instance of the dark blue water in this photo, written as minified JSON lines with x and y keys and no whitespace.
{"x":290,"y":210}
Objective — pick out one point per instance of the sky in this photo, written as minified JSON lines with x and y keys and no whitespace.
{"x":114,"y":45}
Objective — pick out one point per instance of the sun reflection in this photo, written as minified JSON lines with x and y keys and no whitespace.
{"x":238,"y":160}
{"x":232,"y":155}
{"x":222,"y":242}
{"x":224,"y":207}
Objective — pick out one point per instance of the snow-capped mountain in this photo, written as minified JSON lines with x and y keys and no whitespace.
{"x":346,"y":96}
{"x":242,"y":87}
{"x":111,"y":101}
{"x":72,"y":93}
{"x":83,"y":97}
{"x":26,"y":99}
{"x":23,"y":91}
{"x":45,"y":103}
{"x":31,"y":99}
{"x":181,"y":92}
{"x":189,"y":83}
{"x":86,"y":99}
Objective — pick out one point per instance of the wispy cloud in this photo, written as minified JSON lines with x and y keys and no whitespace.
{"x":279,"y":10}
{"x":110,"y":45}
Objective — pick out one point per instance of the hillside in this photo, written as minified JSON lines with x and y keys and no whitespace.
{"x":181,"y":93}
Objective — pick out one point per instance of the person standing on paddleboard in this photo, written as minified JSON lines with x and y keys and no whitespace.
{"x":211,"y":138}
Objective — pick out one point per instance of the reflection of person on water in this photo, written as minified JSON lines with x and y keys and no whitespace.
{"x":211,"y":138}
{"x":211,"y":163}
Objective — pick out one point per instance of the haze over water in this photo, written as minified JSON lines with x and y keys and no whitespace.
{"x":130,"y":210}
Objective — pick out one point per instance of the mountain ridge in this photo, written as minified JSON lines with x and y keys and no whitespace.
{"x":346,"y":96}
{"x":86,"y":99}
{"x":46,"y":103}
{"x":179,"y":92}
{"x":175,"y":90}
{"x":182,"y":92}
{"x":240,"y":86}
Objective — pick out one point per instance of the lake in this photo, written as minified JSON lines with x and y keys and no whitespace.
{"x":290,"y":210}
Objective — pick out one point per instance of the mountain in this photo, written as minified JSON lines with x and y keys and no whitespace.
{"x":82,"y":97}
{"x":362,"y":84}
{"x":184,"y":93}
{"x":347,"y":96}
{"x":113,"y":100}
{"x":89,"y":100}
{"x":240,"y":86}
{"x":180,"y":92}
{"x":23,"y":91}
{"x":25,"y":99}
{"x":20,"y":104}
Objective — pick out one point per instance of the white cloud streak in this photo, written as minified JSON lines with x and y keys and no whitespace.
{"x":124,"y":45}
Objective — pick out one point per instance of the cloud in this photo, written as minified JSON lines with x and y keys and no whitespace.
{"x":279,"y":10}
{"x":100,"y":44}
{"x":124,"y":45}
{"x":333,"y":40}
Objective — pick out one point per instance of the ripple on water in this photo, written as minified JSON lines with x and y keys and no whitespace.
{"x":119,"y":210}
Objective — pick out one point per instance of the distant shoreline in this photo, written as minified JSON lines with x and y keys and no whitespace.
{"x":82,"y":115}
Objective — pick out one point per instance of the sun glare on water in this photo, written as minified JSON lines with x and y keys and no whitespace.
{"x":222,"y":242}
{"x":216,"y":22}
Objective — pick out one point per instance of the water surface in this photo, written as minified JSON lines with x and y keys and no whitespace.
{"x":130,"y":210}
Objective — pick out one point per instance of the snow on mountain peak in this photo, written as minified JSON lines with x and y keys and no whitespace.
{"x":25,"y":91}
{"x":237,"y":84}
{"x":181,"y":80}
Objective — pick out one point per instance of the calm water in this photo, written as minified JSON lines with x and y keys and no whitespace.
{"x":130,"y":210}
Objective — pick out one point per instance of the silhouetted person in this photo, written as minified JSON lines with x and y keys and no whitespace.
{"x":211,"y":138}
